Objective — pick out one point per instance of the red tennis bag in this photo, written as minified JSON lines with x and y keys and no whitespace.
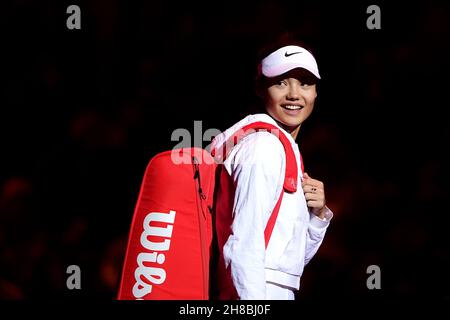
{"x":169,"y":244}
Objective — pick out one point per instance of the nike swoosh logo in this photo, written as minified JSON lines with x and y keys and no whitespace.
{"x":290,"y":54}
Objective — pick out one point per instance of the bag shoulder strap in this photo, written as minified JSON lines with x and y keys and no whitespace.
{"x":291,"y":173}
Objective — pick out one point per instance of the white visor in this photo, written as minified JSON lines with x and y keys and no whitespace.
{"x":287,"y":58}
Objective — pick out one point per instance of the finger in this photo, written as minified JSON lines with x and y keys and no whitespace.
{"x":314,"y":196}
{"x":312,"y":188}
{"x":305,"y":177}
{"x":314,"y":182}
{"x":306,"y":181}
{"x":315,"y":204}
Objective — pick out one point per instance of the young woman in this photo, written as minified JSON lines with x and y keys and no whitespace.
{"x":255,"y":168}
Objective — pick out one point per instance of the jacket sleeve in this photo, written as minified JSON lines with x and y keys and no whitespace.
{"x":316,"y":232}
{"x":258,"y":174}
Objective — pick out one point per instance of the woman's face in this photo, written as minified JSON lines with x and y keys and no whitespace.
{"x":290,"y":102}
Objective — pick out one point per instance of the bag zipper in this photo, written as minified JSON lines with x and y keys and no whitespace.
{"x":201,"y":197}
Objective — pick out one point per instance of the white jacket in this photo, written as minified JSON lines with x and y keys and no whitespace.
{"x":257,"y":168}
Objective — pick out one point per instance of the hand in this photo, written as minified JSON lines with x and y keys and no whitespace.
{"x":314,"y":194}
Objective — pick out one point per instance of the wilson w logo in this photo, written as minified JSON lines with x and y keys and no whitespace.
{"x":150,"y":269}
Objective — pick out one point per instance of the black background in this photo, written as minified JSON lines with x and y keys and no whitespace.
{"x":82,"y":112}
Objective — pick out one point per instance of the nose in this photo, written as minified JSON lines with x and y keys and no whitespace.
{"x":294,"y":92}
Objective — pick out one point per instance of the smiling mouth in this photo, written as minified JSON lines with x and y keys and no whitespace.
{"x":292,"y":107}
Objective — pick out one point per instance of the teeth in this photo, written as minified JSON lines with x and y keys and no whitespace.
{"x":293,"y":107}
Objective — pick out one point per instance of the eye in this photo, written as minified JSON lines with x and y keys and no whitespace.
{"x":282,"y":83}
